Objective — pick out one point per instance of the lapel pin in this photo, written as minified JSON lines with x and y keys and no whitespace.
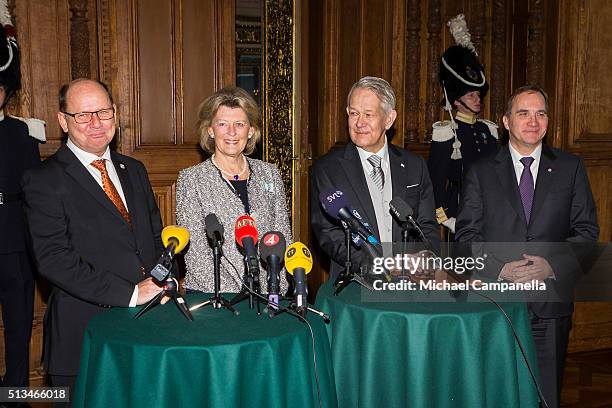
{"x":402,"y":164}
{"x":123,"y":166}
{"x":549,"y":170}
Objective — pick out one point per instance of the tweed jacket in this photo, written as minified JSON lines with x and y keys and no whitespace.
{"x":201,"y":190}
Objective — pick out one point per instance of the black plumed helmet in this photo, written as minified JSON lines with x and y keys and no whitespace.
{"x":10,"y":76}
{"x":461,"y":72}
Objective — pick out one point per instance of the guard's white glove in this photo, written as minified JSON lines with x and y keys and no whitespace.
{"x":450,"y":224}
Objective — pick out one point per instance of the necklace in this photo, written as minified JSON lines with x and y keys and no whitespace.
{"x":229,"y":175}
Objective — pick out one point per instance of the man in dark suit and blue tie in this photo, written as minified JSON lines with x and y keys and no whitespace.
{"x":94,"y":223}
{"x":528,"y":192}
{"x":370,"y":171}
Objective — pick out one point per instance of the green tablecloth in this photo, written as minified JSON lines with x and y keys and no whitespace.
{"x":218,"y":360}
{"x":427,"y":354}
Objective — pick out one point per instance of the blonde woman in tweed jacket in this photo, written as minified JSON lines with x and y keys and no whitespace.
{"x":229,"y":185}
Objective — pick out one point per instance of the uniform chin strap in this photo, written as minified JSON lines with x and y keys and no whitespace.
{"x":456,"y":155}
{"x":467,"y":107}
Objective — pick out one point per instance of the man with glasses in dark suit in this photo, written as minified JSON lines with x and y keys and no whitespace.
{"x":95,"y":225}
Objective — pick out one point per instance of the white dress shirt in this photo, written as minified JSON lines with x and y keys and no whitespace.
{"x":86,"y":159}
{"x":518,"y":166}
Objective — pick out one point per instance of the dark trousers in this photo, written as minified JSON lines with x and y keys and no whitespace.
{"x":17,"y":298}
{"x":551,"y":337}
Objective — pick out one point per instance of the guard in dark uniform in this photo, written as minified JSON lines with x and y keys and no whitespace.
{"x":18,"y":152}
{"x":458,"y":142}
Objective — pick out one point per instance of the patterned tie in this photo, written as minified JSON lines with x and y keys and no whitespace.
{"x":110,"y":190}
{"x":526,"y":186}
{"x":377,"y":174}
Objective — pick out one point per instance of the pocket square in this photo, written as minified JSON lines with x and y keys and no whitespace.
{"x":412,"y":185}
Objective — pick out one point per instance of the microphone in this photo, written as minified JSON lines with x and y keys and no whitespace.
{"x":272,"y":250}
{"x":298,"y":261}
{"x":246,"y":237}
{"x":336,"y":205}
{"x":214,"y":230}
{"x":175,"y":239}
{"x":402,"y":212}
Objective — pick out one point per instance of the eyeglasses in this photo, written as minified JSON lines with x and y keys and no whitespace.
{"x":85,"y":117}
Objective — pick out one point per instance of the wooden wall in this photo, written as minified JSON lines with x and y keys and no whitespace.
{"x":160,"y":59}
{"x":162,"y":56}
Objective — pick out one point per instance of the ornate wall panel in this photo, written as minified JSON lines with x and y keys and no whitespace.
{"x":434,"y":50}
{"x":79,"y":39}
{"x":478,"y":23}
{"x":498,"y":76}
{"x":412,"y":68}
{"x":279,"y":126}
{"x":535,"y":42}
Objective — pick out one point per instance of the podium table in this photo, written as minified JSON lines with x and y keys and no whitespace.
{"x":218,"y":360}
{"x":410,"y":351}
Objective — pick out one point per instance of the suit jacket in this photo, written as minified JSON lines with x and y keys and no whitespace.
{"x":563,"y":212}
{"x":200,"y":190}
{"x":18,"y":152}
{"x":85,"y":248}
{"x":342,"y":169}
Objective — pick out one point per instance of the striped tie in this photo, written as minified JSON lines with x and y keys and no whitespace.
{"x":111,"y":190}
{"x":377,"y":173}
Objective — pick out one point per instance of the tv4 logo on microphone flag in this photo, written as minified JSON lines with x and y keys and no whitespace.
{"x":271,"y":239}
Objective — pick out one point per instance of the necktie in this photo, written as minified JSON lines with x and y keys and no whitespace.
{"x":526,"y":186}
{"x":111,"y":190}
{"x":377,"y":174}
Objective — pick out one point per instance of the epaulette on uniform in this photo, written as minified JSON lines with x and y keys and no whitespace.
{"x":442,"y":131}
{"x":36,"y":127}
{"x":492,"y":127}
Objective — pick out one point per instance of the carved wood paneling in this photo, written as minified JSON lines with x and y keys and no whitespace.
{"x":278,"y":85}
{"x":164,"y":188}
{"x":79,"y":39}
{"x":105,"y":25}
{"x":434,"y":28}
{"x":413,"y":69}
{"x":582,"y":124}
{"x":535,"y":43}
{"x":165,"y":58}
{"x":43,"y":35}
{"x":477,"y":25}
{"x":498,"y":75}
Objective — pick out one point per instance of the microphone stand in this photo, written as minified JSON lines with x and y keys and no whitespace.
{"x":302,"y":311}
{"x":217,"y":301}
{"x":346,"y":277}
{"x":170,"y":289}
{"x":405,"y":238}
{"x":252,"y":282}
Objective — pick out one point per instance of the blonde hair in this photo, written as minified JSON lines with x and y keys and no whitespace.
{"x":231,"y":97}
